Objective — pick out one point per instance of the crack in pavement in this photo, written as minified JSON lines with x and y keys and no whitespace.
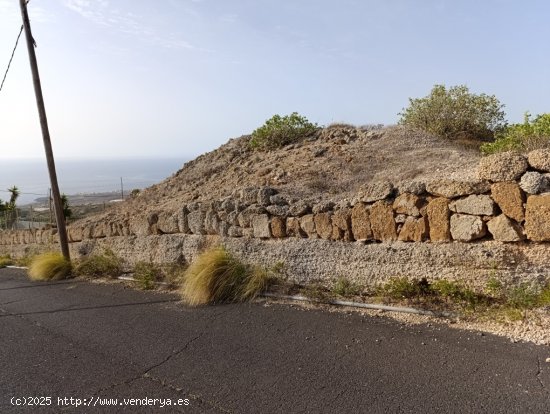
{"x":71,"y":308}
{"x":539,"y":372}
{"x":195,"y":397}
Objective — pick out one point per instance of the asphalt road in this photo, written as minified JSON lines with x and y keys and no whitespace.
{"x":98,"y":342}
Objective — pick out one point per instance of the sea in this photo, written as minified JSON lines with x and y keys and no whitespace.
{"x":83,"y":176}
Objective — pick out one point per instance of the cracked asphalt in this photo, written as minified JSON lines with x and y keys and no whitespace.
{"x":86,"y":340}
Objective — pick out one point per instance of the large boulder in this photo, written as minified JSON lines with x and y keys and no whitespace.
{"x":537,"y":217}
{"x":510,"y":199}
{"x":481,"y":205}
{"x":414,"y":230}
{"x":278,"y":227}
{"x":261,"y":226}
{"x":307,"y":224}
{"x":467,"y":228}
{"x":438,"y":218}
{"x":360,"y":222}
{"x":293,"y":228}
{"x":506,"y":166}
{"x":376,"y":191}
{"x":382,"y":222}
{"x":452,"y":189}
{"x":195,"y":221}
{"x":540,"y":159}
{"x":505,"y":230}
{"x":323,"y":225}
{"x":408,"y":204}
{"x":341,"y":225}
{"x":533,"y":182}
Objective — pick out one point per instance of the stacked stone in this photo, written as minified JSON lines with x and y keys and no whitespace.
{"x":509,"y":202}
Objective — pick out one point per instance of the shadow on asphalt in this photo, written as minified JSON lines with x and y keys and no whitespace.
{"x":120,"y":305}
{"x":44,"y":284}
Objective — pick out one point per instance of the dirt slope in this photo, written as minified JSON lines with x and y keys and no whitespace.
{"x":333,"y":165}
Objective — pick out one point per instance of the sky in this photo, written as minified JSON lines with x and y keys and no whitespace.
{"x":158,"y":78}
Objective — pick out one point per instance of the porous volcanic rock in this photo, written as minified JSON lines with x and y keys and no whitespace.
{"x":453,"y":189}
{"x":382,"y":223}
{"x":506,"y":166}
{"x":414,"y":230}
{"x":408,"y":204}
{"x":533,"y":182}
{"x":505,"y":230}
{"x":481,"y":205}
{"x":510,"y":198}
{"x":438,"y":218}
{"x":467,"y":228}
{"x":360,"y":222}
{"x":376,"y":191}
{"x":540,"y":159}
{"x":537,"y":217}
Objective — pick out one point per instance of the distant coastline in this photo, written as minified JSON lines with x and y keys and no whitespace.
{"x":84,"y":177}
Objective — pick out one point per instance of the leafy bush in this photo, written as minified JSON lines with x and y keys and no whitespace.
{"x":49,"y":266}
{"x":529,"y":135}
{"x":5,"y":261}
{"x":455,"y":114}
{"x":146,"y":274}
{"x":217,"y":276}
{"x":100,"y":265}
{"x":279,"y":131}
{"x":345,"y":287}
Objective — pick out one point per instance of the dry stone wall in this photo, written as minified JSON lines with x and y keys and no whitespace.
{"x":509,"y":202}
{"x":496,"y":225}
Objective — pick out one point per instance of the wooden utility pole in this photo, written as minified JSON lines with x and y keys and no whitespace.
{"x":121,"y":189}
{"x":61,"y":228}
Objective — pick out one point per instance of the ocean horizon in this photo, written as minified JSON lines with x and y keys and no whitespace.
{"x":83,"y":176}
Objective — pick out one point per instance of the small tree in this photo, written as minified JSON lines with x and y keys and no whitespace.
{"x":282,"y":130}
{"x":67,"y":211}
{"x":455,"y":113}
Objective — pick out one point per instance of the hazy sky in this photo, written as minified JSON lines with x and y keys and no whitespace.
{"x":180,"y":77}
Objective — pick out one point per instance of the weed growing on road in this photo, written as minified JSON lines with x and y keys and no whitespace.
{"x":100,"y":265}
{"x":49,"y":266}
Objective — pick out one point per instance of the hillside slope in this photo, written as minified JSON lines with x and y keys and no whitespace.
{"x":333,"y":165}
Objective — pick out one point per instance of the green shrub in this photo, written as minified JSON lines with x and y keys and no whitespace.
{"x":49,"y":266}
{"x":345,"y":287}
{"x":529,"y":135}
{"x":282,"y":130}
{"x":403,"y":288}
{"x":217,"y":276}
{"x":455,"y":114}
{"x":5,"y":261}
{"x":100,"y":265}
{"x":146,"y":274}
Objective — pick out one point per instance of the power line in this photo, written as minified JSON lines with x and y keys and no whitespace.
{"x":11,"y":58}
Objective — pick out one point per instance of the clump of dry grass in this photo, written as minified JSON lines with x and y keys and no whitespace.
{"x":217,"y":276}
{"x":49,"y":266}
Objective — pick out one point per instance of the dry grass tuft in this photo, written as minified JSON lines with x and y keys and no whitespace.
{"x":49,"y":266}
{"x":217,"y":276}
{"x":5,"y":261}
